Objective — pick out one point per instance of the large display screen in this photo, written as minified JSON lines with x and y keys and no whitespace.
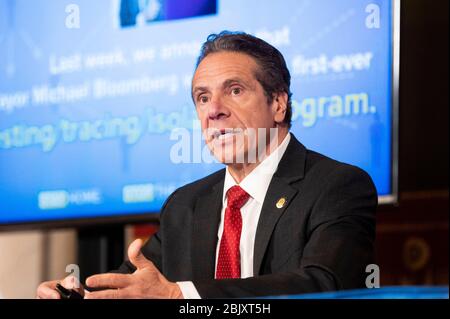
{"x":92,"y":94}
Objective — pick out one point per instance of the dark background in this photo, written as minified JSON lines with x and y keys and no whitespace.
{"x":412,"y":236}
{"x":423,"y":148}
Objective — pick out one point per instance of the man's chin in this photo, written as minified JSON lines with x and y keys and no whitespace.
{"x":229,"y":158}
{"x":228,"y":153}
{"x":221,"y":158}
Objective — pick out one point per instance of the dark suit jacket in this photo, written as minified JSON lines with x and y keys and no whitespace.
{"x":322,"y":239}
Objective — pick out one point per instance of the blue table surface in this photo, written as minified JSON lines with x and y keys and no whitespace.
{"x":392,"y":292}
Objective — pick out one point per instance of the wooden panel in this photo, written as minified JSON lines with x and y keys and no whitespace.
{"x":412,"y":240}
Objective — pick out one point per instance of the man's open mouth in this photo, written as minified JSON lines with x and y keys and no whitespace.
{"x":222,"y":134}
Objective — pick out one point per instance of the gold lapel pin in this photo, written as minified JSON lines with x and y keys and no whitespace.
{"x":281,"y":202}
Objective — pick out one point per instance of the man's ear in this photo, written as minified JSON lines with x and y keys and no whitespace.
{"x":279,"y":106}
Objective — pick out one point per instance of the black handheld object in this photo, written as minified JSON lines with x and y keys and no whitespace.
{"x":66,"y":293}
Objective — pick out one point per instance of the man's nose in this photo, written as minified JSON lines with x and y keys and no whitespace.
{"x":217,"y":110}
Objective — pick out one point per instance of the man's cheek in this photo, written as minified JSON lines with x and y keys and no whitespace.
{"x":201,"y":114}
{"x":203,"y":118}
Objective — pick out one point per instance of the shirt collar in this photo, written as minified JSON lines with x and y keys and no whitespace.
{"x":257,"y":182}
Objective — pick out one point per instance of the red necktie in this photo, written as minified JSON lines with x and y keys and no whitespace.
{"x":229,"y":261}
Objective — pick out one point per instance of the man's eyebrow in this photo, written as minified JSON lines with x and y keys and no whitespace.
{"x":225,"y":84}
{"x":199,"y":88}
{"x":231,"y":81}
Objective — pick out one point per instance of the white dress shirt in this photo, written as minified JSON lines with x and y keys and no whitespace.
{"x":256,"y":185}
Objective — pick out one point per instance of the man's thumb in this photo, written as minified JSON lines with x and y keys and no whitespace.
{"x":135,"y":255}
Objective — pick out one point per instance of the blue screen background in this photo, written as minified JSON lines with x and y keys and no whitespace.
{"x":335,"y":51}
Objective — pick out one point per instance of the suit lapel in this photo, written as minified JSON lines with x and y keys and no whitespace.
{"x":206,"y":219}
{"x":270,"y":214}
{"x":290,"y":169}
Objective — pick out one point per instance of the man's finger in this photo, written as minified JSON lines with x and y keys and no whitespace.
{"x":135,"y":255}
{"x":46,"y":292}
{"x":108,"y":281}
{"x":106,"y":294}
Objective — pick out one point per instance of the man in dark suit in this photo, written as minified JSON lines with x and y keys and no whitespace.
{"x":293,"y":221}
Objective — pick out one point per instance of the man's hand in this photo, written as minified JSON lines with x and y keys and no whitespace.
{"x":46,"y":290}
{"x":145,"y":282}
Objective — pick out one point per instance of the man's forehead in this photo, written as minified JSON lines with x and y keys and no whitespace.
{"x":224,"y":66}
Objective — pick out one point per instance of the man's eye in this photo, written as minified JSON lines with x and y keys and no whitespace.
{"x":236,"y":91}
{"x":203,"y":99}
